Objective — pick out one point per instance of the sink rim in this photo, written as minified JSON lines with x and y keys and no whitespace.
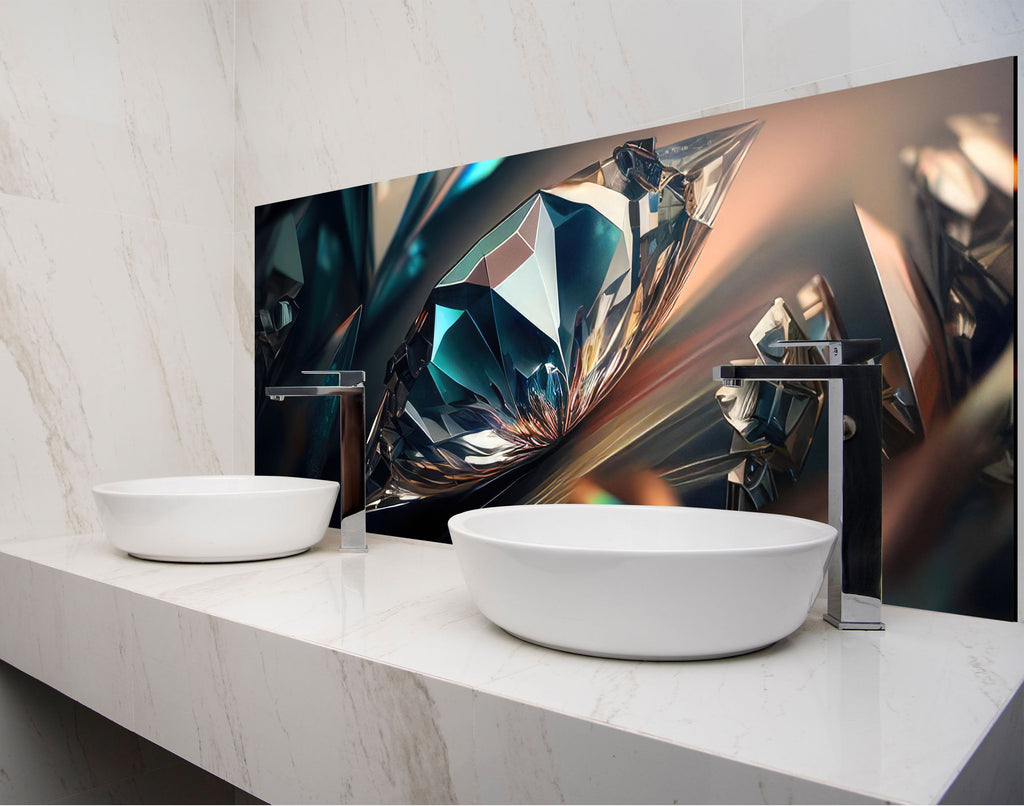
{"x":828,"y":533}
{"x":580,"y":583}
{"x":149,"y":487}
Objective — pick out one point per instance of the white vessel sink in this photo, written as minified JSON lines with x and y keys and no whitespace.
{"x":651,"y":583}
{"x":215,"y":518}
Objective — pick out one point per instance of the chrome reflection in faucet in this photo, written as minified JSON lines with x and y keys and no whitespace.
{"x":854,"y":466}
{"x":351,"y":393}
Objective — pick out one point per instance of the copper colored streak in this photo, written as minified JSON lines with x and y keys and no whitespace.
{"x":917,"y":506}
{"x":669,"y":380}
{"x":918,"y":329}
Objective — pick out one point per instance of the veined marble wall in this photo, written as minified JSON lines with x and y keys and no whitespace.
{"x":116,"y":149}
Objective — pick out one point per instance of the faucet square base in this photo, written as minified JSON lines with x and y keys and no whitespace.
{"x":853,"y":625}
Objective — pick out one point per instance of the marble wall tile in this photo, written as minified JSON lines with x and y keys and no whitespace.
{"x":811,"y":46}
{"x":534,"y":75}
{"x":119,"y":106}
{"x":116,"y":174}
{"x":971,"y":53}
{"x":328,"y":94}
{"x":243,"y":352}
{"x":115,"y":349}
{"x":332,"y":95}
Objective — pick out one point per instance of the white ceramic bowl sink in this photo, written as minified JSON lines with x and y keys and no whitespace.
{"x":651,"y":583}
{"x":215,"y":518}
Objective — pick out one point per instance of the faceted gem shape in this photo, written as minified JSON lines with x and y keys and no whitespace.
{"x":543,"y":315}
{"x":775,"y":422}
{"x":966,"y":201}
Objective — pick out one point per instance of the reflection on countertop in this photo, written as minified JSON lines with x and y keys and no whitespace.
{"x":329,"y":677}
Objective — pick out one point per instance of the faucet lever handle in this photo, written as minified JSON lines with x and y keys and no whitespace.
{"x":345,"y":377}
{"x":839,"y":351}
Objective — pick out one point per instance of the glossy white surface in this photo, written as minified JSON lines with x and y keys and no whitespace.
{"x":204,"y":519}
{"x":268,"y":673}
{"x":651,"y":583}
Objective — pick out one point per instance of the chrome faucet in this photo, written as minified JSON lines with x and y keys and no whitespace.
{"x":349,"y":388}
{"x":854,"y":600}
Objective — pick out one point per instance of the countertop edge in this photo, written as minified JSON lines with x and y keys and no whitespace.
{"x":275,"y":715}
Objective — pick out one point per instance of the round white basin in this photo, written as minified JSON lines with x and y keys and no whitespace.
{"x":215,"y":518}
{"x":640,"y":582}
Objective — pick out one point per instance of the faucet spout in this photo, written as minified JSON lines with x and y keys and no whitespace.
{"x":854,"y":469}
{"x":352,"y":427}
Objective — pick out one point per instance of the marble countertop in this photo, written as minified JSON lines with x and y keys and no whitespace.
{"x":329,"y":678}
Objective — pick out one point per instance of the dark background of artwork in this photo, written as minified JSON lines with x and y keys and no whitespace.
{"x":789,"y":216}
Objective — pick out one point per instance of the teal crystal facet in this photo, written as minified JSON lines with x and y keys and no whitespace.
{"x":543,"y":315}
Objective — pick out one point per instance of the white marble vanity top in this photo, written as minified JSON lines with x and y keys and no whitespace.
{"x":326,"y":677}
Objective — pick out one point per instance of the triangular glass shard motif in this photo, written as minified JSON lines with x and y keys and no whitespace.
{"x":544,"y":314}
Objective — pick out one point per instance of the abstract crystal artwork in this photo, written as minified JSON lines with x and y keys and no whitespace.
{"x":955,"y":386}
{"x":775,"y":422}
{"x":544,"y":314}
{"x":961,"y":301}
{"x":541,"y":327}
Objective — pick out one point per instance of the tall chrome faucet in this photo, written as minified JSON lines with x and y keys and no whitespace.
{"x":854,"y":469}
{"x":352,"y":427}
